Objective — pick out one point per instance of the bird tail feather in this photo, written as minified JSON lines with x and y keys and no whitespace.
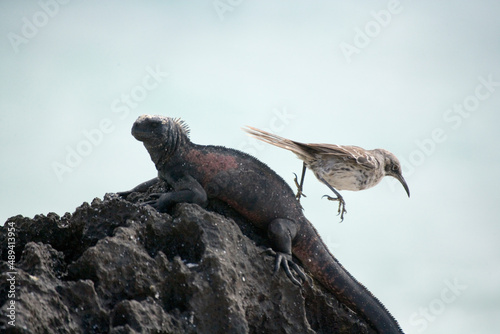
{"x":299,"y":149}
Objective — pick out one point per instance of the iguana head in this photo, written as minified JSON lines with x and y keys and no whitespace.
{"x":161,"y":135}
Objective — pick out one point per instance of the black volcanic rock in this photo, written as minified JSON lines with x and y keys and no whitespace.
{"x":116,"y":266}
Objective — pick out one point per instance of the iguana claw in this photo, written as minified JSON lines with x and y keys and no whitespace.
{"x":159,"y":201}
{"x":285,"y":261}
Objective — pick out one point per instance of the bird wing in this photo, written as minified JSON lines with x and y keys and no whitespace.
{"x":308,"y":151}
{"x":347,"y":152}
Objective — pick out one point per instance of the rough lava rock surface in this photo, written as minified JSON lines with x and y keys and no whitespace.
{"x":116,"y":266}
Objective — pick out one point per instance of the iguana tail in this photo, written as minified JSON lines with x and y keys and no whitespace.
{"x":310,"y":249}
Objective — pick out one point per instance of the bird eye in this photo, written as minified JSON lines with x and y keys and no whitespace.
{"x":395,"y":168}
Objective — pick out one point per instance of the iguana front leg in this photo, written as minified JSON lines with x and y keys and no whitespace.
{"x":186,"y":189}
{"x":143,"y":187}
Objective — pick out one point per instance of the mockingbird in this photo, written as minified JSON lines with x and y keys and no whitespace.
{"x":338,"y":166}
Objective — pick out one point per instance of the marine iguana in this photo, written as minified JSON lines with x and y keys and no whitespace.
{"x":198,"y":172}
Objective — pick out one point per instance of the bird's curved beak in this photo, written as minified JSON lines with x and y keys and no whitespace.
{"x":403,"y":182}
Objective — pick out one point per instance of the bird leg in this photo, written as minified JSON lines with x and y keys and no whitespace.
{"x":339,"y":198}
{"x":341,"y":209}
{"x":299,"y":186}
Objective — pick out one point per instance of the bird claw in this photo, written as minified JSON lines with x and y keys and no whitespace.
{"x":341,"y":211}
{"x":285,"y":260}
{"x":299,"y":188}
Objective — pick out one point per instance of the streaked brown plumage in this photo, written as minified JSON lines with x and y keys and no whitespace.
{"x":339,"y":167}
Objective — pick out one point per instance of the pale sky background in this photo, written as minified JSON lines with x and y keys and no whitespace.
{"x":419,"y":78}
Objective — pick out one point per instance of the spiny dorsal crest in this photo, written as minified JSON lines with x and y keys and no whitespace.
{"x":183,"y":126}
